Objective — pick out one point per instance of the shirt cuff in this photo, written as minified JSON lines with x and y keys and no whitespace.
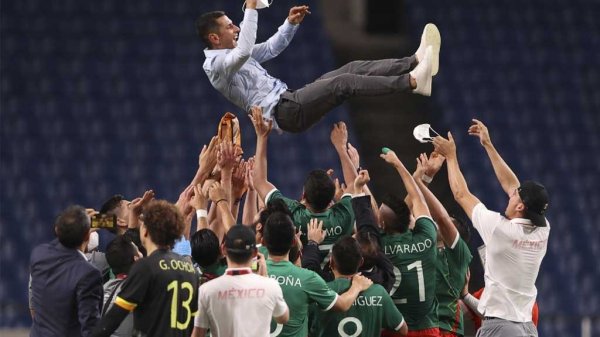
{"x":251,"y":14}
{"x":269,"y":195}
{"x":332,"y":303}
{"x":399,"y":325}
{"x":455,"y":240}
{"x":287,"y":26}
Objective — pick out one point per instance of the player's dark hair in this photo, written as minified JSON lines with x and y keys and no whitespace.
{"x":369,"y":248}
{"x":205,"y":247}
{"x":120,"y":254}
{"x":110,"y":206}
{"x":278,"y":233}
{"x":346,"y":255}
{"x":401,"y":210}
{"x":206,"y":24}
{"x":164,"y":222}
{"x":72,"y":226}
{"x":462,"y":227}
{"x":319,"y":189}
{"x":277,"y":205}
{"x":240,"y":257}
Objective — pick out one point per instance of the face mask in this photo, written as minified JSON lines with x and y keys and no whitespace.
{"x":421,"y":133}
{"x":259,"y":4}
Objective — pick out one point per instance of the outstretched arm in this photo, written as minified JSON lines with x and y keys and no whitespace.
{"x":438,"y":212}
{"x":339,"y":139}
{"x":507,"y":178}
{"x":458,"y":185}
{"x":415,"y":197}
{"x":262,"y":128}
{"x":279,"y":41}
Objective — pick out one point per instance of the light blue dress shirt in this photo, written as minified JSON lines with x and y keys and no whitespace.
{"x":237,"y":74}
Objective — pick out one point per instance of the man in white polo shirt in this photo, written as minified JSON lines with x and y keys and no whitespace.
{"x":239,"y":303}
{"x":516,"y":241}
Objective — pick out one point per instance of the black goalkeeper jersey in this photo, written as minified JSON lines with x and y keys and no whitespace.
{"x":162,"y":291}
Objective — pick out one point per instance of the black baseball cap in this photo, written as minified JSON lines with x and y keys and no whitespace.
{"x":240,"y":239}
{"x":535,"y":198}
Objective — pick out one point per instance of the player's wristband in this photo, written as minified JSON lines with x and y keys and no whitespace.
{"x":201,"y":213}
{"x":427,"y":179}
{"x":218,"y":201}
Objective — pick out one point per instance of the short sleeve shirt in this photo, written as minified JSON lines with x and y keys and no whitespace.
{"x":452,"y":265}
{"x":162,"y":280}
{"x":372,"y":310}
{"x":413,"y":254}
{"x":300,"y":287}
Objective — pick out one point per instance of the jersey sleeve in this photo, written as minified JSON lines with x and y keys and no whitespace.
{"x":425,"y":226}
{"x":318,"y":291}
{"x":485,"y":221}
{"x":135,"y":286}
{"x":276,"y":194}
{"x":392,"y":318}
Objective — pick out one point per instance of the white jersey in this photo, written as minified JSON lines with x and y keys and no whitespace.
{"x":239,"y":303}
{"x":514,"y":252}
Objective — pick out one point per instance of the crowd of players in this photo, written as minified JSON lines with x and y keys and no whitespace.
{"x":335,"y":263}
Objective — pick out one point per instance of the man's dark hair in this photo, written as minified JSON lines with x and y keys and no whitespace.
{"x":276,"y":205}
{"x":72,"y":226}
{"x":402,"y":212}
{"x":346,"y":255}
{"x":369,"y":248}
{"x":164,"y":222}
{"x":278,"y":233}
{"x":463,"y":229}
{"x":111,"y":204}
{"x":319,"y":189}
{"x":205,"y":247}
{"x":120,"y":254}
{"x":206,"y":24}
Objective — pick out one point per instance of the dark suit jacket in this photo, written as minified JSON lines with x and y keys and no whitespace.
{"x":66,"y":292}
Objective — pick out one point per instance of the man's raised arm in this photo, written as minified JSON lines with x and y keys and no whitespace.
{"x":505,"y":175}
{"x":458,"y":185}
{"x":262,"y":128}
{"x":281,"y":39}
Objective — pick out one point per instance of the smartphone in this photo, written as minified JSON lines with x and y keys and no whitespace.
{"x":104,"y":221}
{"x":254,"y":266}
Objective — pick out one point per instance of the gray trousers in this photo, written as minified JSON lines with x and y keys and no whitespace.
{"x":497,"y":327}
{"x":298,"y":110}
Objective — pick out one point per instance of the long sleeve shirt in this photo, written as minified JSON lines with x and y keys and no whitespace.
{"x":237,"y":73}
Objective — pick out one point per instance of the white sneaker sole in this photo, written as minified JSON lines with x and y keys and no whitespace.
{"x":432,"y":37}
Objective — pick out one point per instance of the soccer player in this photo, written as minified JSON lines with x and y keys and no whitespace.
{"x":372,"y":310}
{"x":454,"y":255}
{"x":239,"y":303}
{"x":233,"y":66}
{"x":516,"y":242}
{"x":301,"y":287}
{"x":161,"y":289}
{"x":413,"y":253}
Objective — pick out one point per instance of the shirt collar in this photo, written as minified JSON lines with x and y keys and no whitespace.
{"x":521,"y":221}
{"x":82,"y":254}
{"x":238,"y":271}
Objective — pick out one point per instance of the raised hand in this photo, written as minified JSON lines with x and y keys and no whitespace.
{"x":434,"y":163}
{"x":339,"y":136}
{"x":261,"y":126}
{"x":216,"y":192}
{"x":208,"y":156}
{"x":480,"y":130}
{"x":315,"y":231}
{"x":445,"y":147}
{"x":361,"y":282}
{"x":183,"y":203}
{"x":340,"y":189}
{"x":297,"y":14}
{"x":199,"y":200}
{"x":391,"y":158}
{"x":361,"y":180}
{"x":227,"y":157}
{"x":137,"y":205}
{"x":354,"y":156}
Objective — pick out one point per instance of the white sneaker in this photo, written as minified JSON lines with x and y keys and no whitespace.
{"x":430,"y":37}
{"x":422,"y":74}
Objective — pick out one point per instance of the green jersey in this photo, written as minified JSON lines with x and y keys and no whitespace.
{"x":452,"y":265}
{"x":300,"y":287}
{"x":372,"y":310}
{"x":413,"y":254}
{"x":338,"y":220}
